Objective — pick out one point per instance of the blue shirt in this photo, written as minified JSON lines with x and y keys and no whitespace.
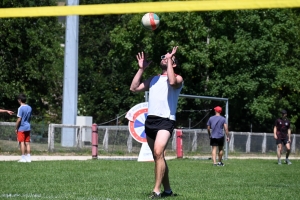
{"x":216,"y":123}
{"x":24,"y":112}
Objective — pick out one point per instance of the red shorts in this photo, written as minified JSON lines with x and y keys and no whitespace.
{"x":24,"y":136}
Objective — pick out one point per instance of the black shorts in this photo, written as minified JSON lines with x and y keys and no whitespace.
{"x":153,"y":124}
{"x":217,"y":141}
{"x":283,"y":141}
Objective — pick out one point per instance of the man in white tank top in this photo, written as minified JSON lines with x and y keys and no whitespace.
{"x":164,"y":90}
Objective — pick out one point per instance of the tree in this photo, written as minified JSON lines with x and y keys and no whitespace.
{"x":240,"y":55}
{"x":248,"y":56}
{"x":102,"y":90}
{"x":31,"y":60}
{"x":251,"y":63}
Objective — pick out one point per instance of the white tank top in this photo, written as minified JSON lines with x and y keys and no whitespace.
{"x":163,"y":98}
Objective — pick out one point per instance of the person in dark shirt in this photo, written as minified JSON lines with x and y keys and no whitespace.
{"x":282,"y":135}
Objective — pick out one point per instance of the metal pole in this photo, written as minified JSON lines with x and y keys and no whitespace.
{"x":146,"y":96}
{"x":70,"y":85}
{"x":227,"y":116}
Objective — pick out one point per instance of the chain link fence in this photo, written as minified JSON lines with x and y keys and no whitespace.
{"x":117,"y":140}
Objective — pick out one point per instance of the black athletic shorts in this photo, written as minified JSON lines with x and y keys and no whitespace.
{"x":283,"y":141}
{"x":153,"y":124}
{"x":217,"y":141}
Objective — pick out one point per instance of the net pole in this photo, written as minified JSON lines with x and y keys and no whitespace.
{"x":70,"y":83}
{"x":226,"y":117}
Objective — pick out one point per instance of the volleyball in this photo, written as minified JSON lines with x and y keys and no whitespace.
{"x":150,"y":21}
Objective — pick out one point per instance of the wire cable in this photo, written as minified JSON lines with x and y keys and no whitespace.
{"x":207,"y":112}
{"x":113,"y":119}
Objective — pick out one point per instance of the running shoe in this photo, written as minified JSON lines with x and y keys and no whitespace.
{"x":165,"y":194}
{"x":220,"y":164}
{"x":279,"y":162}
{"x":287,"y":161}
{"x":154,"y":196}
{"x":22,"y":160}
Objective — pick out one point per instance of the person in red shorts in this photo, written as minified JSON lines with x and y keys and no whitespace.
{"x":23,"y":128}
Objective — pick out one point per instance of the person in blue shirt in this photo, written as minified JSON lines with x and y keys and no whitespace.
{"x":23,"y":128}
{"x":215,"y":126}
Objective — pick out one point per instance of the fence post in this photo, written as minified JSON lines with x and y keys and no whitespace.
{"x":94,"y":141}
{"x":248,"y":143}
{"x":293,"y":146}
{"x":231,"y":143}
{"x":174,"y":141}
{"x":79,"y":137}
{"x":49,"y":137}
{"x":129,"y":143}
{"x":179,"y":150}
{"x":264,"y":143}
{"x":105,"y":140}
{"x":194,"y":142}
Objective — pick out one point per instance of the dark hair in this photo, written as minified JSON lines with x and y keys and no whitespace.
{"x":283,"y":112}
{"x":175,"y":61}
{"x":22,"y":98}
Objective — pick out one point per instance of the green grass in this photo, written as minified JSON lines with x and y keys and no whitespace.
{"x":112,"y":180}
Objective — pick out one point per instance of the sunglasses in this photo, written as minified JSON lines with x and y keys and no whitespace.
{"x":163,"y":57}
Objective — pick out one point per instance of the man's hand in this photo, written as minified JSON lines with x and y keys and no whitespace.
{"x":10,"y":112}
{"x":169,"y":55}
{"x":143,"y":63}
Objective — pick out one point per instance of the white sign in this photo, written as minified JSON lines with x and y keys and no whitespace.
{"x":137,"y":116}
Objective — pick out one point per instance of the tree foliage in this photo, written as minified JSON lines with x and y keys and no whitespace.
{"x":248,"y":56}
{"x":31,"y":60}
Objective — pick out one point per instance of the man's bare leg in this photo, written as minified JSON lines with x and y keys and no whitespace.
{"x":27,"y":144}
{"x":220,"y":153}
{"x":22,"y":147}
{"x":288,"y":149}
{"x":165,"y":180}
{"x":279,"y":151}
{"x":158,"y":146}
{"x":214,"y":154}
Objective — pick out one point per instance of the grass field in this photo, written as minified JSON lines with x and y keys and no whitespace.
{"x":111,"y":180}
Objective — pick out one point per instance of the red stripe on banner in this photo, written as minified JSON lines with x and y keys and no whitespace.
{"x":152,"y":22}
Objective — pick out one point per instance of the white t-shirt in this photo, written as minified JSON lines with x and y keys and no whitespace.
{"x":163,"y":98}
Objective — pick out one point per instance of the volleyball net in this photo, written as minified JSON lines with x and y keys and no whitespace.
{"x":142,"y":7}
